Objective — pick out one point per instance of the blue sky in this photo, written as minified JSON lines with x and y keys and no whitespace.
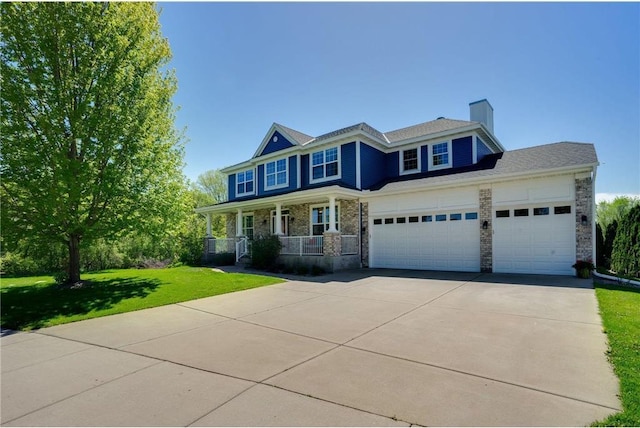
{"x":552,"y":72}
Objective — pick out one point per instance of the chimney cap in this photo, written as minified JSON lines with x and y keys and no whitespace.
{"x":484,"y":100}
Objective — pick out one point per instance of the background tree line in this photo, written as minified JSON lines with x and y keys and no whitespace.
{"x":618,"y":235}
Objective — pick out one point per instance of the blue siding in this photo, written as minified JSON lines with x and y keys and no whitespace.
{"x":272,"y":146}
{"x":391,"y":160}
{"x":260,"y":179}
{"x":462,"y":151}
{"x":304,"y":169}
{"x":424,"y":158}
{"x":232,"y":187}
{"x":292,"y":172}
{"x":348,"y":163}
{"x":482,"y":150}
{"x":372,"y":165}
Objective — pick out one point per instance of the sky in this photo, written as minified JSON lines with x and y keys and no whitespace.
{"x":552,"y":72}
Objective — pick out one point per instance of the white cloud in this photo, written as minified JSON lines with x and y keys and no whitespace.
{"x":611,"y":196}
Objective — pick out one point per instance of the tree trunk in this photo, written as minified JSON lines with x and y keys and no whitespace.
{"x":74,"y":258}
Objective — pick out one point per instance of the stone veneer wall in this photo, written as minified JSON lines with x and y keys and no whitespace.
{"x":299,"y":217}
{"x":261,"y":222}
{"x":584,"y":206}
{"x":364,"y":246}
{"x":486,"y":235}
{"x":349,"y":217}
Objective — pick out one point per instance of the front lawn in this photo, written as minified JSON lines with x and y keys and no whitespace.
{"x":35,"y":302}
{"x":620,"y":311}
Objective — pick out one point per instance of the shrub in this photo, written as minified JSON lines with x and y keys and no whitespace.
{"x":265,"y":251}
{"x":625,"y":257}
{"x":12,"y":264}
{"x":317,"y":270}
{"x":61,"y":277}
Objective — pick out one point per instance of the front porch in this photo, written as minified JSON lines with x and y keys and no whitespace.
{"x":314,"y":229}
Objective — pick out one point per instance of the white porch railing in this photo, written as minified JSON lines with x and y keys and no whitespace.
{"x":349,"y":244}
{"x":301,"y":245}
{"x":218,"y":246}
{"x":242,"y":248}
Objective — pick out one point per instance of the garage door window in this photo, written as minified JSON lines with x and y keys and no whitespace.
{"x":471,"y":216}
{"x":377,"y":221}
{"x":388,"y":221}
{"x":441,"y":217}
{"x":541,"y":211}
{"x":524,"y":212}
{"x":427,"y":218}
{"x":413,"y":219}
{"x":562,"y":210}
{"x":502,"y":213}
{"x":454,"y":217}
{"x":401,"y":220}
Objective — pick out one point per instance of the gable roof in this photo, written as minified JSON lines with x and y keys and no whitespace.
{"x":515,"y":162}
{"x":297,"y":136}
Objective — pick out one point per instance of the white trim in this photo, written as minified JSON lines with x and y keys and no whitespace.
{"x":449,"y":156}
{"x":267,"y":139}
{"x":358,"y":166}
{"x":324,"y":151}
{"x":323,"y":205}
{"x":401,"y":170}
{"x":286,"y":173}
{"x":255,"y":183}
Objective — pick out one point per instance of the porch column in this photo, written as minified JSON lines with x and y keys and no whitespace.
{"x":239,"y":222}
{"x":208,"y":225}
{"x":332,"y":215}
{"x":278,"y":219}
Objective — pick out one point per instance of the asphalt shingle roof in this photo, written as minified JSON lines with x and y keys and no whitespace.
{"x":300,"y":137}
{"x":426,"y":128}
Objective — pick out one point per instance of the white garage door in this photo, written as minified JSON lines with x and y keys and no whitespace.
{"x":534,"y":239}
{"x":434,"y":241}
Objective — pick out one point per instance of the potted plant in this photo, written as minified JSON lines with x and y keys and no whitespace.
{"x":583,"y":268}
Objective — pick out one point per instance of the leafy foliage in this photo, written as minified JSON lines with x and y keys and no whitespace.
{"x":89,"y":149}
{"x":625,"y":257}
{"x":613,"y":211}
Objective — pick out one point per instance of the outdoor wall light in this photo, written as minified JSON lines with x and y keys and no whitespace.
{"x":264,"y":221}
{"x":292,"y":219}
{"x":584,"y":220}
{"x":485,"y":225}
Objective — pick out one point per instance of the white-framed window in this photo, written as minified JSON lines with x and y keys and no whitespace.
{"x":275,"y":174}
{"x":410,"y":160}
{"x":320,"y":218}
{"x":440,"y":155}
{"x":325,"y":165}
{"x":247,"y":225}
{"x":244,"y":183}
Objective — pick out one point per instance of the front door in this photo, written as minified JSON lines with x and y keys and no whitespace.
{"x":284,"y":221}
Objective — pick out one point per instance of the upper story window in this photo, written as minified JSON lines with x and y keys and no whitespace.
{"x":409,"y":160}
{"x":325,"y":164}
{"x":440,"y":155}
{"x":276,"y":174}
{"x":244,"y":182}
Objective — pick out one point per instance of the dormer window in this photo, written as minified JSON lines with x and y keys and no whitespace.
{"x":244,"y":185}
{"x":440,"y":155}
{"x":325,"y":165}
{"x":409,"y":161}
{"x":276,"y":174}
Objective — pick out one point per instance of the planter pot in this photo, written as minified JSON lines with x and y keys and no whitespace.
{"x":583,"y":273}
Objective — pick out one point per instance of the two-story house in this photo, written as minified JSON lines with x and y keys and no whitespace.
{"x":440,"y":195}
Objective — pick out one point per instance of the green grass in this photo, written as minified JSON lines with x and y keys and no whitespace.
{"x":35,"y":302}
{"x":620,"y":311}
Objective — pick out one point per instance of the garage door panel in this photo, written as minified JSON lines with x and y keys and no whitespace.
{"x":435,"y":245}
{"x":543,"y":244}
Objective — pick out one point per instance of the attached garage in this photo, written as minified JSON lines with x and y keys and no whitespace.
{"x":427,"y":231}
{"x":537,"y":238}
{"x":534,"y":226}
{"x":436,"y":241}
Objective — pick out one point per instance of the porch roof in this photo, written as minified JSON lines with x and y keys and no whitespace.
{"x":287,"y":199}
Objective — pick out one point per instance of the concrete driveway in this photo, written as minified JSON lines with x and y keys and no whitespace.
{"x":363,"y":348}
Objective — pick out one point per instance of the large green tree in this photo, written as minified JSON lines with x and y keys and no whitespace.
{"x":89,"y":147}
